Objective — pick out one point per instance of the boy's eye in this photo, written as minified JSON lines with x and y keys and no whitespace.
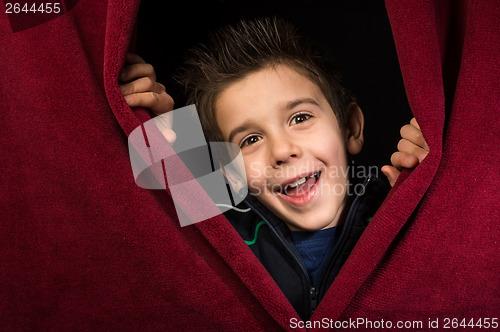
{"x":300,"y":118}
{"x":250,"y":140}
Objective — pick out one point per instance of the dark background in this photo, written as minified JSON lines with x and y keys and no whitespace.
{"x":357,"y":31}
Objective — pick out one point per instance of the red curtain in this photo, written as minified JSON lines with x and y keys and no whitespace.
{"x":83,"y":247}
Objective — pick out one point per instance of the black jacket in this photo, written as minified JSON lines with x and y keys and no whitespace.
{"x":276,"y":251}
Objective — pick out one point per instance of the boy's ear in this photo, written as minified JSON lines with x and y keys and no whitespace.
{"x":354,"y":129}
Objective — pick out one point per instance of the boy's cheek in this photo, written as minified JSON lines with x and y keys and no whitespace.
{"x":254,"y":188}
{"x":257,"y":177}
{"x":337,"y":173}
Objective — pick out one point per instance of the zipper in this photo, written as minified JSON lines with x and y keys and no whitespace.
{"x":354,"y":206}
{"x":313,"y":299}
{"x":313,"y":292}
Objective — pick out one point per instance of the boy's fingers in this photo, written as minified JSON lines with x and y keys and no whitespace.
{"x":138,"y":70}
{"x":159,"y":103}
{"x":164,"y":124}
{"x":402,"y":160}
{"x":407,"y":147}
{"x":414,"y":135}
{"x":414,"y":123}
{"x":143,"y":84}
{"x":169,"y":135}
{"x":132,"y":58}
{"x":392,"y":173}
{"x":165,"y":104}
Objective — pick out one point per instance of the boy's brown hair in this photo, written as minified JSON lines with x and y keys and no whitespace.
{"x":235,"y":51}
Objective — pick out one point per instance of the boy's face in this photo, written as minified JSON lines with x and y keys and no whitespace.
{"x":293,"y":148}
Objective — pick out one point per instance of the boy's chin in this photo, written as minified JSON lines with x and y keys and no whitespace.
{"x":322,"y":217}
{"x":326,"y":213}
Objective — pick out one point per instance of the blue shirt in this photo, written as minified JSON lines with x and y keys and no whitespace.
{"x":315,"y":249}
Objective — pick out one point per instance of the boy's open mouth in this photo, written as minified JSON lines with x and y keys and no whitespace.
{"x":300,"y":186}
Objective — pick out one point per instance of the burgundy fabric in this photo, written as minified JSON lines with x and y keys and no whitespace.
{"x":83,"y":247}
{"x":432,"y":249}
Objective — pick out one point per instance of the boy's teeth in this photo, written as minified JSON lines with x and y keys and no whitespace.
{"x":296,"y":183}
{"x":299,"y":181}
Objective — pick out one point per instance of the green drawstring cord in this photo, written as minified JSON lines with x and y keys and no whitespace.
{"x":256,"y":233}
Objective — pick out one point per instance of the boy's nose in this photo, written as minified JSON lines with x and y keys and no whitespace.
{"x":282,"y":150}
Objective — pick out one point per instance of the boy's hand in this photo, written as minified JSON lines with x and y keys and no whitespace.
{"x":139,"y":88}
{"x":412,"y":149}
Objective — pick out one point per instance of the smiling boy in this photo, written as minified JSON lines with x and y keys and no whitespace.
{"x":292,"y":145}
{"x":262,"y":86}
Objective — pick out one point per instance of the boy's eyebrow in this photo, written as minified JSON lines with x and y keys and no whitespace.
{"x":294,"y":103}
{"x":239,"y":129}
